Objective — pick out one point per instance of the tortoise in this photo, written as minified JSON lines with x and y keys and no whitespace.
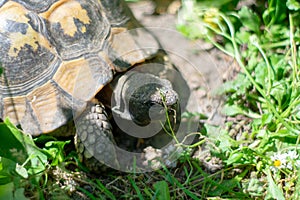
{"x":57,"y":55}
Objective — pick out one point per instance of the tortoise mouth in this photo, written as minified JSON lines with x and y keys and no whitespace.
{"x":164,"y":96}
{"x":156,"y":116}
{"x":153,"y":110}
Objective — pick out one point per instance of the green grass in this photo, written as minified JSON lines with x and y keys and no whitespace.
{"x":49,"y":171}
{"x":255,"y":155}
{"x":264,"y":41}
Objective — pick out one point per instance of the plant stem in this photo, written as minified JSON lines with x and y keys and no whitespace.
{"x":239,"y":60}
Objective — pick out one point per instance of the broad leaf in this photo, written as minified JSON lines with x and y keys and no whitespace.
{"x":162,"y":190}
{"x":249,"y":19}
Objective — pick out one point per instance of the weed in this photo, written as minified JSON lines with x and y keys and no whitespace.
{"x":264,"y":41}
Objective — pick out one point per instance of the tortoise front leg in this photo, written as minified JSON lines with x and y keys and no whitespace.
{"x":94,"y":138}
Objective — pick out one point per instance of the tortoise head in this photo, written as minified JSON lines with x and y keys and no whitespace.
{"x":142,"y":97}
{"x":151,"y":101}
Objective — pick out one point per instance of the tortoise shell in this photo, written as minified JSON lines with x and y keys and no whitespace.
{"x":57,"y":54}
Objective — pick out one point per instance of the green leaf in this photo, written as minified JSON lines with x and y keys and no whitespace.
{"x":20,"y":147}
{"x":162,"y":190}
{"x":212,"y":131}
{"x":193,"y":30}
{"x":21,"y":171}
{"x":261,"y":74}
{"x":232,"y":110}
{"x":8,"y":192}
{"x":5,"y":180}
{"x":190,"y":115}
{"x":9,"y":170}
{"x":239,"y":85}
{"x":226,"y":186}
{"x":11,"y":146}
{"x":8,"y":167}
{"x":243,"y":36}
{"x":293,"y":5}
{"x":220,"y":137}
{"x":56,"y":150}
{"x":249,"y":19}
{"x":235,"y":157}
{"x":273,"y":190}
{"x":266,"y":118}
{"x":214,"y":3}
{"x":275,"y":13}
{"x":225,"y":141}
{"x":280,"y":92}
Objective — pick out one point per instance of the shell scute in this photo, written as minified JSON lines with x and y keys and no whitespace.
{"x":57,"y":54}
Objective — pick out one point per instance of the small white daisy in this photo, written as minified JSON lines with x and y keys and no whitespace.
{"x":292,"y":155}
{"x":284,"y":160}
{"x":279,"y":161}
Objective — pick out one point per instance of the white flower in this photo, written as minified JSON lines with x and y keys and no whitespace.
{"x":285,"y":160}
{"x":297,"y":163}
{"x":279,"y":161}
{"x":292,"y":155}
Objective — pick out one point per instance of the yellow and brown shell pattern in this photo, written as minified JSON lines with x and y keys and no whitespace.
{"x":55,"y":55}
